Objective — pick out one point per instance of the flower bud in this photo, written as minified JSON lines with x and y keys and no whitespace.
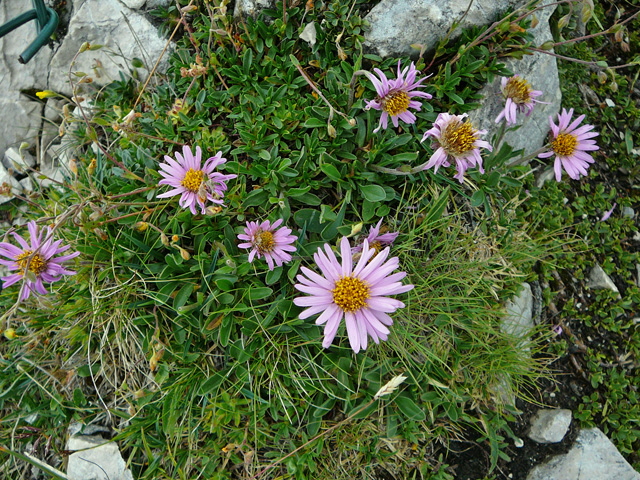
{"x":164,"y":239}
{"x":184,"y":254}
{"x":10,"y":334}
{"x":141,"y":226}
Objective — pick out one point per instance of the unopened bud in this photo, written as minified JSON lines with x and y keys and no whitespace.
{"x":564,"y":21}
{"x":73,"y":166}
{"x":355,"y":229}
{"x":141,"y":226}
{"x":534,"y":22}
{"x":546,"y":45}
{"x":10,"y":334}
{"x":100,"y":233}
{"x":352,"y":122}
{"x":331,"y":131}
{"x":184,"y":254}
{"x":91,"y":169}
{"x":84,"y":47}
{"x":164,"y":239}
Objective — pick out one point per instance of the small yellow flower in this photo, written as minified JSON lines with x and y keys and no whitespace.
{"x":46,"y":94}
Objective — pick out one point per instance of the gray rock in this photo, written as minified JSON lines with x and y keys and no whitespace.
{"x":133,"y":4}
{"x":628,"y":212}
{"x":16,"y":76}
{"x":25,"y":121}
{"x":638,"y":274}
{"x":8,"y":183}
{"x":598,"y":280}
{"x":519,"y":318}
{"x":546,"y":176}
{"x":592,"y":457}
{"x":550,"y":426}
{"x":124,"y":33}
{"x":97,"y":459}
{"x":18,"y":160}
{"x":396,"y":25}
{"x":541,"y":71}
{"x":157,"y":3}
{"x":26,"y":184}
{"x":251,"y":8}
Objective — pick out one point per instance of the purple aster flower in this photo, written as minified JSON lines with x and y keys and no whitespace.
{"x":570,"y":145}
{"x":395,"y":96}
{"x":455,"y":139}
{"x":196,"y":184}
{"x":519,"y":96}
{"x":267,"y":240}
{"x":357,"y":294}
{"x":35,"y":261}
{"x":376,"y":239}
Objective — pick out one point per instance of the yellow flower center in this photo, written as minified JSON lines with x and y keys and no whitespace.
{"x":518,"y":90}
{"x":564,"y":144}
{"x":396,"y":103}
{"x":458,"y":138}
{"x":264,"y":242}
{"x":37,"y":264}
{"x":350,"y":294}
{"x":192,"y":180}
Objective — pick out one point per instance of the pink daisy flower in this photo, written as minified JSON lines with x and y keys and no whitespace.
{"x":35,"y":261}
{"x":196,"y":184}
{"x":267,"y":240}
{"x":570,"y":145}
{"x":519,"y":96}
{"x":376,"y":239}
{"x":455,"y":139}
{"x":395,"y":96}
{"x":357,"y":294}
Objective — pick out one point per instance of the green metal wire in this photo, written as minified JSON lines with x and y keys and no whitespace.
{"x":46,"y":23}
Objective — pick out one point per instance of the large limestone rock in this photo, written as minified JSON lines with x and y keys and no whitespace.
{"x":397,"y":24}
{"x":24,"y":113}
{"x":592,"y":457}
{"x":95,"y":459}
{"x":541,"y":71}
{"x":124,"y":33}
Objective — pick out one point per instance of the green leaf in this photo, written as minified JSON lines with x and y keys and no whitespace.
{"x":332,"y":172}
{"x":477,"y":198}
{"x":225,"y":329}
{"x":259,"y":293}
{"x":314,"y":123}
{"x":88,"y":370}
{"x":183,"y":295}
{"x":255,"y":198}
{"x":210,"y":384}
{"x":409,"y":408}
{"x":373,"y":193}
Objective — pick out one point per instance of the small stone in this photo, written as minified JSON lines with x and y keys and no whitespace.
{"x":133,"y":4}
{"x":628,"y":212}
{"x":592,"y":457}
{"x":547,"y":175}
{"x":518,"y":320}
{"x":598,"y":279}
{"x":8,"y":183}
{"x":251,"y":8}
{"x":550,"y":426}
{"x":98,"y":459}
{"x":19,"y":160}
{"x":26,"y":184}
